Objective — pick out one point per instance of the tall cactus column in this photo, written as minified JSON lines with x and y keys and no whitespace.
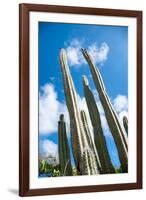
{"x":63,"y":149}
{"x":99,"y":137}
{"x":81,"y":150}
{"x":110,"y":114}
{"x":74,"y":113}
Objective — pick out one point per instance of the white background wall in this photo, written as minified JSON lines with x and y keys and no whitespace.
{"x":9,"y":98}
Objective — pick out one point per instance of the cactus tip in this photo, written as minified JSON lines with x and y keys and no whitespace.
{"x":62,"y":50}
{"x":85,"y":80}
{"x":82,"y":111}
{"x":61,"y":117}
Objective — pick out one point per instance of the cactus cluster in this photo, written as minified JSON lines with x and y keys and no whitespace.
{"x":84,"y":156}
{"x":110,"y":113}
{"x":90,"y":154}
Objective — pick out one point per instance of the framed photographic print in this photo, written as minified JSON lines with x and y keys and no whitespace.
{"x":80,"y":99}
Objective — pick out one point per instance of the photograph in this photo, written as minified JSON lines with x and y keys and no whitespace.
{"x":83,"y":99}
{"x":80,"y":99}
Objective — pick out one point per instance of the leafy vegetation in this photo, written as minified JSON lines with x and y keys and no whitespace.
{"x":118,"y":170}
{"x":46,"y":169}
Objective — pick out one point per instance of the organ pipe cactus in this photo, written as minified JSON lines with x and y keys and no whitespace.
{"x":82,"y":153}
{"x":125,"y":123}
{"x":90,"y":140}
{"x":63,"y":149}
{"x":74,"y":113}
{"x":110,"y":114}
{"x":99,"y":137}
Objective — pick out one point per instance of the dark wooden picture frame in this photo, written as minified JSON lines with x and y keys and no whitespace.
{"x":24,"y":10}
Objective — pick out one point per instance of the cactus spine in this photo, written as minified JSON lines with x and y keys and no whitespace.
{"x":110,"y":114}
{"x":99,"y":137}
{"x":63,"y":149}
{"x":82,"y":153}
{"x":125,"y":123}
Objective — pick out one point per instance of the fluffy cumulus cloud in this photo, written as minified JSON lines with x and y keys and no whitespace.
{"x":48,"y":150}
{"x":50,"y":109}
{"x":73,"y":49}
{"x":99,"y":54}
{"x":120,"y":103}
{"x":75,"y":57}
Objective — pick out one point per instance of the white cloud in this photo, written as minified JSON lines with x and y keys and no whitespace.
{"x":47,"y":147}
{"x":75,"y":57}
{"x":50,"y":109}
{"x":122,"y":114}
{"x":48,"y":150}
{"x":120,"y":103}
{"x":99,"y":54}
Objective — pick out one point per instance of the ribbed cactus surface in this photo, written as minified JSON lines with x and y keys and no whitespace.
{"x":110,"y":114}
{"x":90,"y":141}
{"x":72,"y":105}
{"x":81,"y":150}
{"x":99,"y":137}
{"x":63,"y":148}
{"x":88,"y":162}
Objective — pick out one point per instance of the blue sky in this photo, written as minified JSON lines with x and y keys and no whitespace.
{"x":108,"y":47}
